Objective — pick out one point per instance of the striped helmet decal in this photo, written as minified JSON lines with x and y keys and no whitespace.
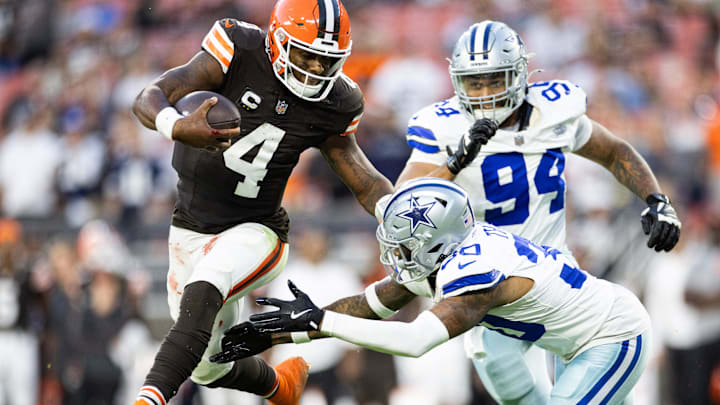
{"x":486,"y":39}
{"x":472,"y":41}
{"x":329,"y":24}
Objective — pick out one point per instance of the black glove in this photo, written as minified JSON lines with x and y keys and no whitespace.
{"x":292,"y":316}
{"x":660,"y":221}
{"x":469,"y":146}
{"x":242,"y":341}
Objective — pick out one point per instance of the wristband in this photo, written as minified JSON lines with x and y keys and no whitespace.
{"x":657,"y":197}
{"x":300,"y":337}
{"x":374,"y":302}
{"x":165,"y":121}
{"x":453,"y":164}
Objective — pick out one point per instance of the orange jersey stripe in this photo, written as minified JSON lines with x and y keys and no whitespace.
{"x":216,"y":53}
{"x":268,"y":264}
{"x":222,"y":42}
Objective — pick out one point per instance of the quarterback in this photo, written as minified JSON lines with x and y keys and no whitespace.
{"x":481,"y":274}
{"x":510,"y":139}
{"x":229,"y":232}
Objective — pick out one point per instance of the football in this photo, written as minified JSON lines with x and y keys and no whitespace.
{"x":223,"y":115}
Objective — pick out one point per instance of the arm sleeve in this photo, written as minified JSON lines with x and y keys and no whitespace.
{"x":398,"y":338}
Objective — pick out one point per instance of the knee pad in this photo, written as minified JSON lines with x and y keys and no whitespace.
{"x":508,"y":375}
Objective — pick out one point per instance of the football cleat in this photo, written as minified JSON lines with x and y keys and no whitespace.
{"x":292,"y":374}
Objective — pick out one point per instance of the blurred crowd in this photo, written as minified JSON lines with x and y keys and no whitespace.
{"x":86,"y":193}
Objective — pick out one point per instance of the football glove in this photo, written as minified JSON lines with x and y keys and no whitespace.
{"x":242,"y":341}
{"x":469,"y":146}
{"x":298,"y":315}
{"x":660,"y":221}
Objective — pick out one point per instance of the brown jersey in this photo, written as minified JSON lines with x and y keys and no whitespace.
{"x":246,"y":182}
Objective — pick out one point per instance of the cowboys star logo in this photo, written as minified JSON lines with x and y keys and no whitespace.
{"x":417,"y":214}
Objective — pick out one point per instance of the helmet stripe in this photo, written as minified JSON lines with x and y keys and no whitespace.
{"x":472,"y":41}
{"x":486,"y":39}
{"x":322,"y":23}
{"x":329,"y":21}
{"x":336,"y":20}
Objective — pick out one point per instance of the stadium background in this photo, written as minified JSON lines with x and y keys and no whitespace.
{"x":86,"y":193}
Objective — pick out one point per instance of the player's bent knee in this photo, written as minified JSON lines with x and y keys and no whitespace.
{"x":509,"y":375}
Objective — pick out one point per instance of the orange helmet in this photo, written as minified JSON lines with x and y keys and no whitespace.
{"x":321,"y":27}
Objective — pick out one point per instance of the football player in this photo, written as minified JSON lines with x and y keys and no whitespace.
{"x":229,"y":230}
{"x":478,"y":273}
{"x":505,"y":141}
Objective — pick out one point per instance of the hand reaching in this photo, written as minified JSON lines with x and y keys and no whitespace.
{"x":298,"y":315}
{"x":241,"y":341}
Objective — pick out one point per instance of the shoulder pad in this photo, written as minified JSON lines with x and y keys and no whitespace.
{"x":436,"y":125}
{"x":557,"y":101}
{"x":459,"y":275}
{"x":346,"y":96}
{"x":230,"y":35}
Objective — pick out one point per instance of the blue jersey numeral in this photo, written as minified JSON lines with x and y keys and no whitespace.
{"x":552,"y":93}
{"x":545,"y":183}
{"x":442,"y":111}
{"x":573,"y":276}
{"x":518,"y":188}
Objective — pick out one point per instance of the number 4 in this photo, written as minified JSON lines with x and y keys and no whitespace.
{"x":269,"y":136}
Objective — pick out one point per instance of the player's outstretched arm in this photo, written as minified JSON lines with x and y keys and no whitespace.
{"x":659,"y":220}
{"x":447,"y":319}
{"x":353,"y":167}
{"x":153,"y":105}
{"x":380,"y":300}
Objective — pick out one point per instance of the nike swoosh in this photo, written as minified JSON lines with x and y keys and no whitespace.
{"x":293,"y":315}
{"x":228,"y":24}
{"x":463,"y":265}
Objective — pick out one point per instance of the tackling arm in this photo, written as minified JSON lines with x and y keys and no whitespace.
{"x":450,"y":317}
{"x":447,"y":319}
{"x":390,"y":295}
{"x":353,"y":167}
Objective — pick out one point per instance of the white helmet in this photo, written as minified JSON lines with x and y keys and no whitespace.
{"x":493,"y":50}
{"x":423,"y":222}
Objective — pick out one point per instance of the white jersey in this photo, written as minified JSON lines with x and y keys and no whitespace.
{"x":517,"y":180}
{"x":567,"y":311}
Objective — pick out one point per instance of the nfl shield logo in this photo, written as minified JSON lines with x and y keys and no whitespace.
{"x":519,"y":140}
{"x":281,"y":107}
